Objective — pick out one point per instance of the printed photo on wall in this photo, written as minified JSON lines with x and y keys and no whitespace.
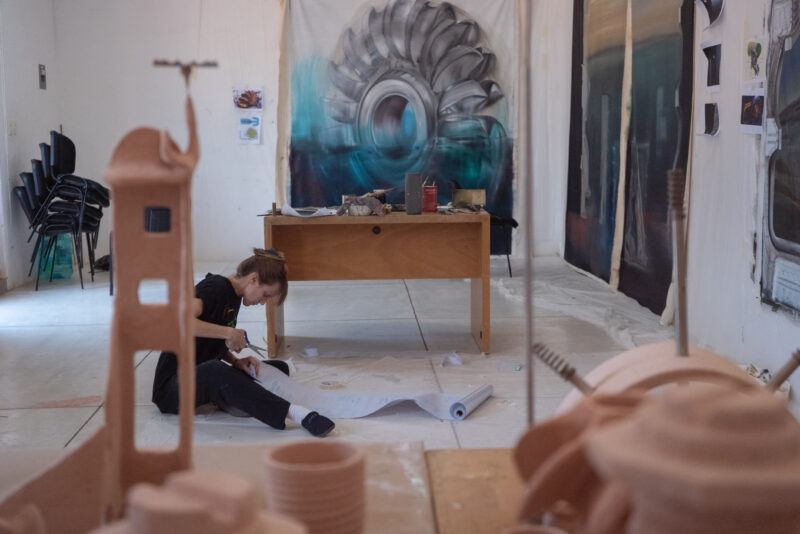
{"x":248,"y":98}
{"x":713,"y":10}
{"x":382,"y":88}
{"x":755,"y":59}
{"x":711,"y":119}
{"x":752,"y":116}
{"x":249,"y":129}
{"x":713,"y":53}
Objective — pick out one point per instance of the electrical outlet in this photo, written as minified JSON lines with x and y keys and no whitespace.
{"x":12,"y":128}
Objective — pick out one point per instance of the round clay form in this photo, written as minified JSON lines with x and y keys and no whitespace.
{"x":319,"y":483}
{"x":705,"y":458}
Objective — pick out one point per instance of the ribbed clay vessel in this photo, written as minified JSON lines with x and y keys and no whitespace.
{"x":319,"y":483}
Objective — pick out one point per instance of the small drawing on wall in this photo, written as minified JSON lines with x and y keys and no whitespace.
{"x":755,"y":52}
{"x":752,"y":116}
{"x":248,"y":98}
{"x":711,"y":119}
{"x":713,"y":53}
{"x":713,"y":10}
{"x":249,"y":129}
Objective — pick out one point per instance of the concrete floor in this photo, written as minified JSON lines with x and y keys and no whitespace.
{"x":54,"y":345}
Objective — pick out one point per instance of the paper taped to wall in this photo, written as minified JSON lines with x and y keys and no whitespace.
{"x":340,"y":404}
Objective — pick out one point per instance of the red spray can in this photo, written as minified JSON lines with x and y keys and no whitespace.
{"x":430,"y":198}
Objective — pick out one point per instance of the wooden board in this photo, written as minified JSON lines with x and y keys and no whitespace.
{"x":474,"y":490}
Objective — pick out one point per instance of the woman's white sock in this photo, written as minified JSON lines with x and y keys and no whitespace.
{"x":297,"y":413}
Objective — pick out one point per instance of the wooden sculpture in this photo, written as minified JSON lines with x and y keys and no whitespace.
{"x":149,"y":177}
{"x":706,"y":459}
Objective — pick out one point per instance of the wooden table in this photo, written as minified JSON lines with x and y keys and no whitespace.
{"x":474,"y":490}
{"x":395,"y":246}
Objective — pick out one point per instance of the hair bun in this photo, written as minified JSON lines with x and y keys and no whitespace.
{"x":270,"y":253}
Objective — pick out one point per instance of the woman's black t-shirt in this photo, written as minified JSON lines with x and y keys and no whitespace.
{"x":220,"y":306}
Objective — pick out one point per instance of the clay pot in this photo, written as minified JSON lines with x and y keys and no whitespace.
{"x":319,"y":483}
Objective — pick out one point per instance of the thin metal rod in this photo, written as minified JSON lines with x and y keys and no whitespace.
{"x":785,"y":372}
{"x":676,"y":185}
{"x":525,"y":168}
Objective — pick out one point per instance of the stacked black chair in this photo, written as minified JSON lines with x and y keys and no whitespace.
{"x":56,"y":202}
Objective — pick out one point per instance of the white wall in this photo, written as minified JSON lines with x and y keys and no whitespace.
{"x":105,"y":52}
{"x":551,"y":58}
{"x":728,"y":173}
{"x":27,"y":40}
{"x":101,"y":84}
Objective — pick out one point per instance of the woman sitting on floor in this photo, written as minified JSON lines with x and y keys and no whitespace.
{"x":222,"y":378}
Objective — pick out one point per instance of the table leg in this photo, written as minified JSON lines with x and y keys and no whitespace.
{"x":479,"y":312}
{"x":274,"y":329}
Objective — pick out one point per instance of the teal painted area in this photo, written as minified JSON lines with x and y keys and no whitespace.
{"x":326,"y":159}
{"x":308,"y":106}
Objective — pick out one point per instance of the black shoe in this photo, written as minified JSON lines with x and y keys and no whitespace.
{"x":318,"y":425}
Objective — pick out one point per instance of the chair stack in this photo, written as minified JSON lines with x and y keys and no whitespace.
{"x":56,"y":201}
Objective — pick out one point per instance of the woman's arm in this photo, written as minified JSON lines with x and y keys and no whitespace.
{"x":235,"y":339}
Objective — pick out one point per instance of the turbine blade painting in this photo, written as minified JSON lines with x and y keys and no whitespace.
{"x":381,"y":88}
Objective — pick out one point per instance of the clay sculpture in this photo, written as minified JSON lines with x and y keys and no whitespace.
{"x":319,"y":483}
{"x":149,"y":176}
{"x":560,"y":481}
{"x":199,"y":503}
{"x":705,"y":459}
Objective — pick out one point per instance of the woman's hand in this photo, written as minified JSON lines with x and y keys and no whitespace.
{"x":236,"y":340}
{"x":248,"y":364}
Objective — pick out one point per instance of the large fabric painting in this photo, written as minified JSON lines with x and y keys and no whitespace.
{"x":595,"y":148}
{"x":381,"y":88}
{"x":659,"y":137}
{"x":655,"y":139}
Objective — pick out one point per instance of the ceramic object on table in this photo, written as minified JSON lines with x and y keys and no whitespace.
{"x":319,"y":483}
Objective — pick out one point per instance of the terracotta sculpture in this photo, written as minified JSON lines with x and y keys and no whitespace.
{"x":552,"y":456}
{"x":148,"y":175}
{"x":706,"y":459}
{"x":318,"y":483}
{"x":651,"y":366}
{"x":561,"y":482}
{"x":147,"y":172}
{"x":199,"y":503}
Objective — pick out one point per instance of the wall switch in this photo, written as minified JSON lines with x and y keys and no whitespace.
{"x":12,"y":128}
{"x":42,"y":77}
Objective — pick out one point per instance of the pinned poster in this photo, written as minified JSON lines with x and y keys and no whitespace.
{"x":249,"y":129}
{"x":755,"y":58}
{"x":752,"y":111}
{"x":248,"y":98}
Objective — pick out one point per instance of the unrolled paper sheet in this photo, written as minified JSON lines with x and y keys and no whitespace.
{"x":341,"y":404}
